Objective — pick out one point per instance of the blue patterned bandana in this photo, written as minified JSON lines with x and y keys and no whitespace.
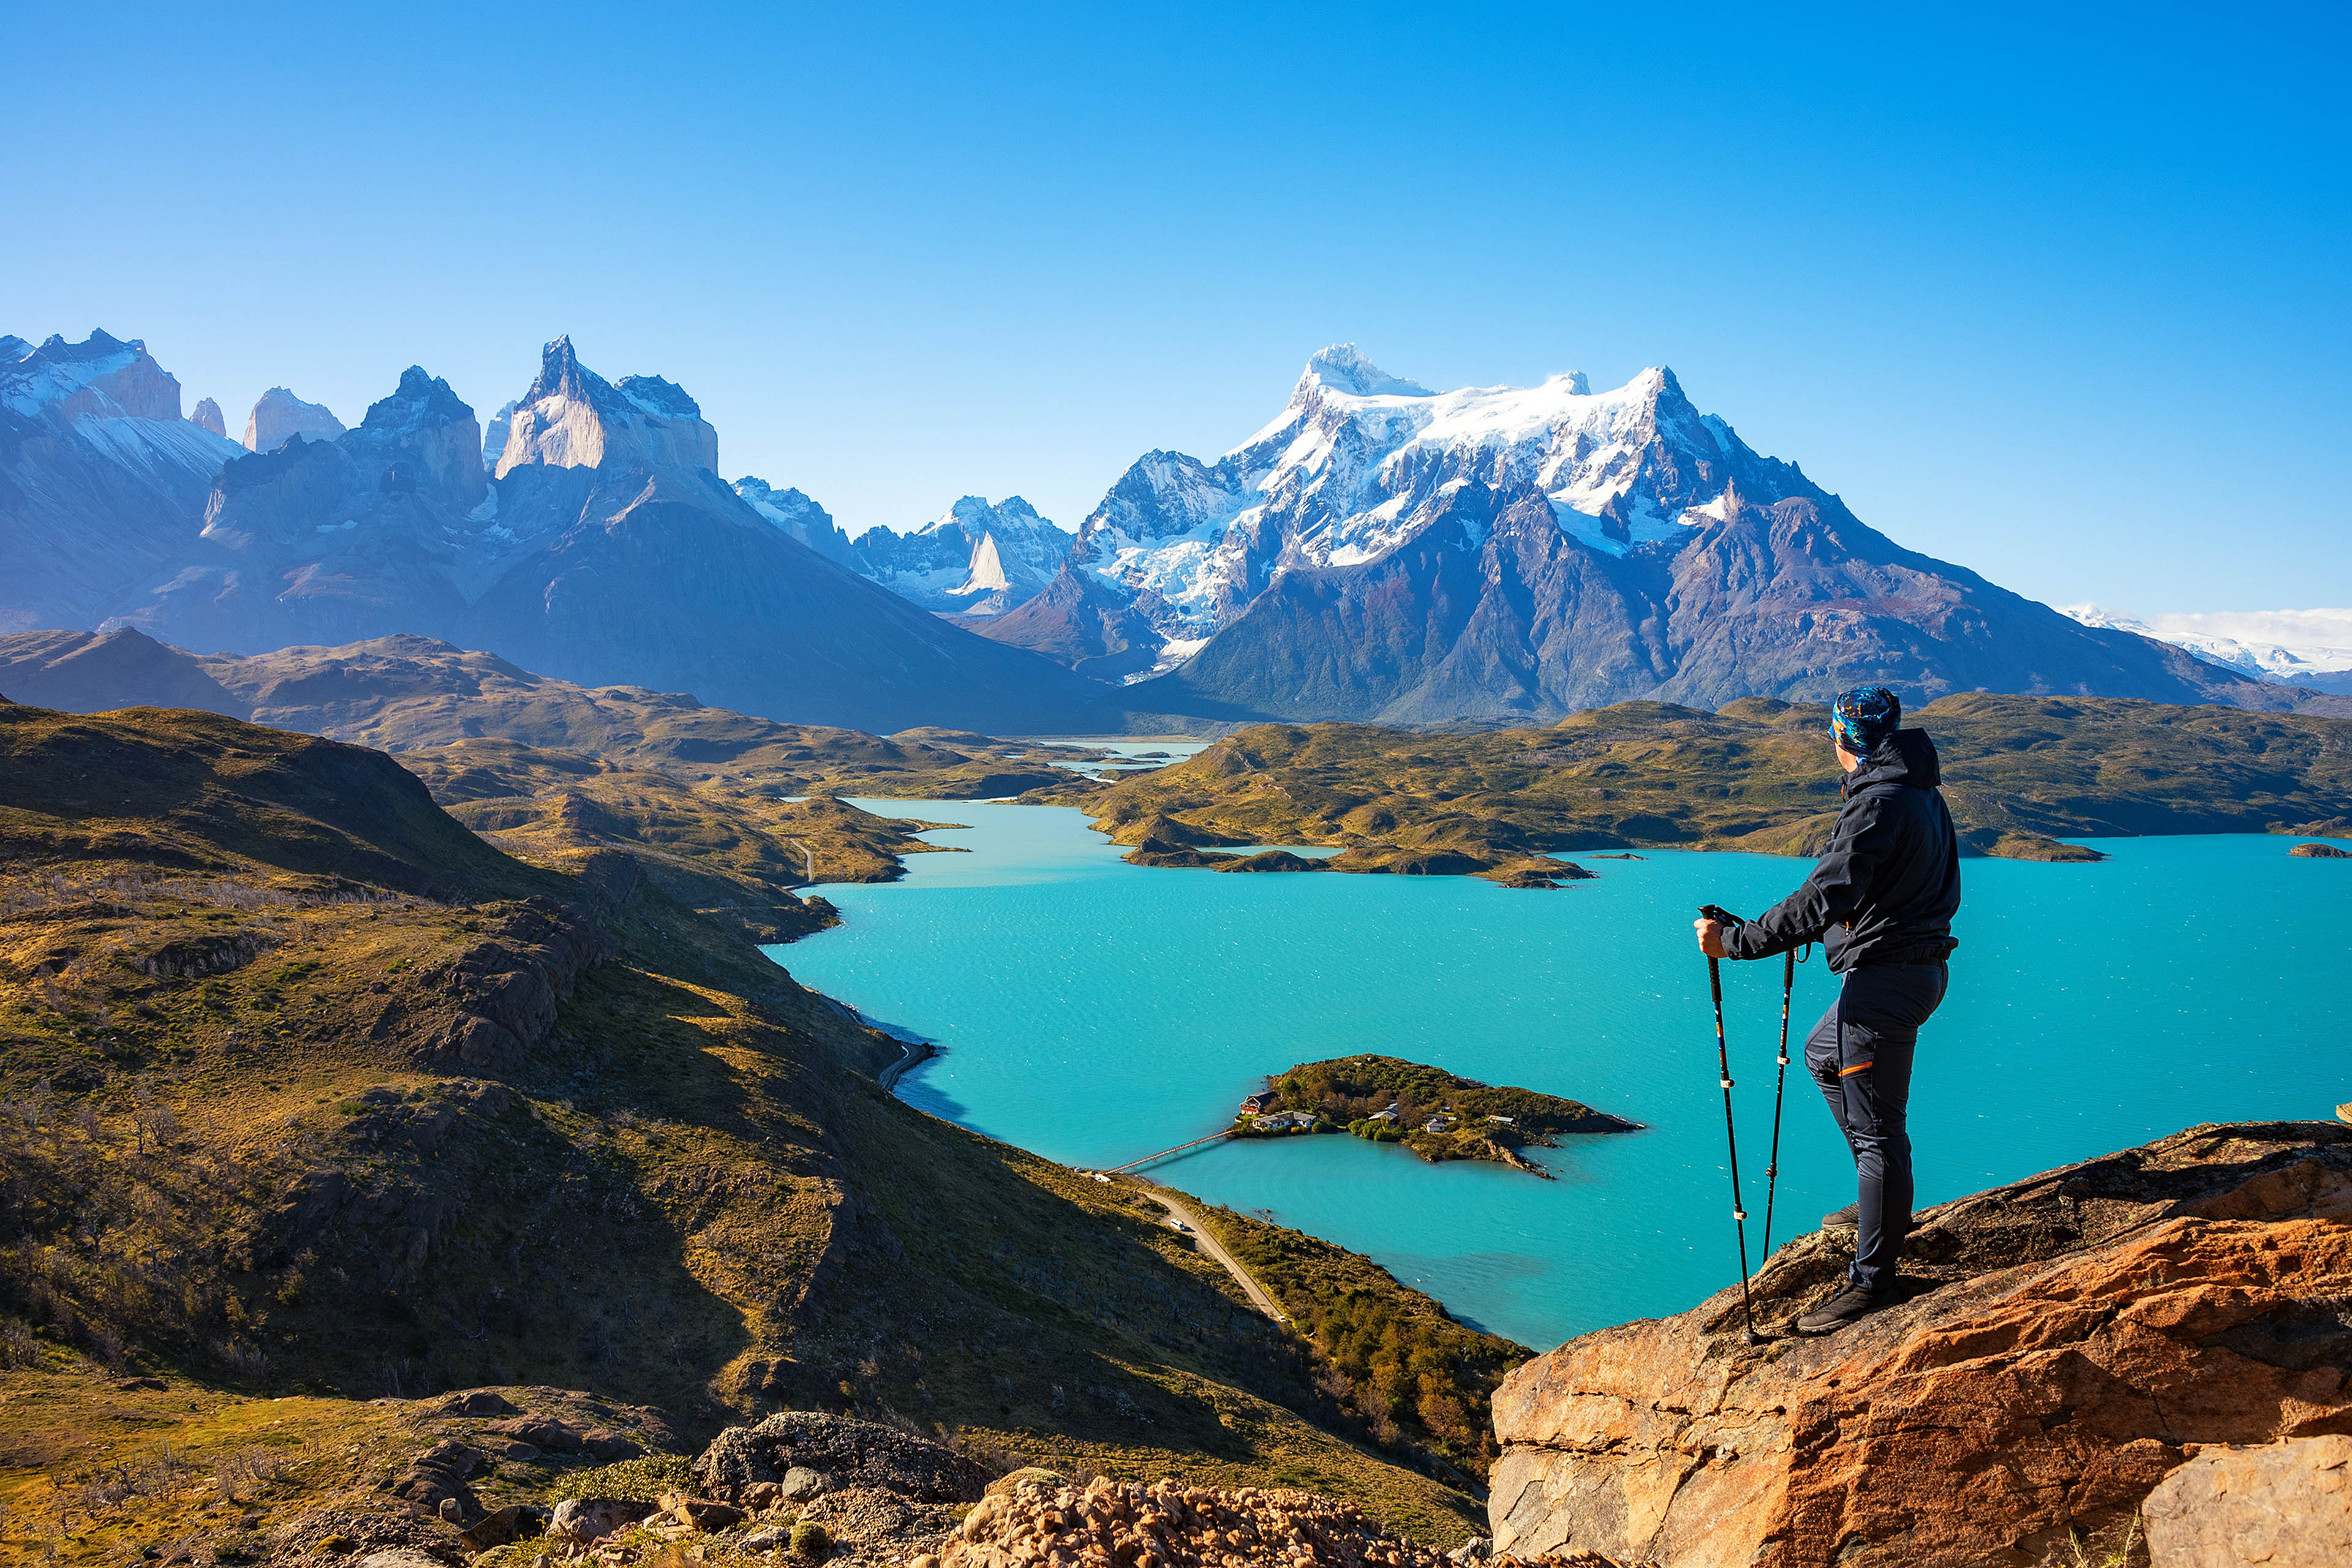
{"x":1863,"y":717}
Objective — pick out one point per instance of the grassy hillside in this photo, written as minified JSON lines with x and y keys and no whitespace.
{"x":2020,"y":774}
{"x":305,"y":1088}
{"x":1393,"y":1358}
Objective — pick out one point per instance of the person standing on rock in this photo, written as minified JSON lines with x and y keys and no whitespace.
{"x":1881,"y":901}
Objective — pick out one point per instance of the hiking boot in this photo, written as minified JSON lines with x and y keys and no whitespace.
{"x":1850,"y":1305}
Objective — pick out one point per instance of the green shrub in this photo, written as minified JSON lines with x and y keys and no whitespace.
{"x":811,"y":1541}
{"x":643,"y":1479}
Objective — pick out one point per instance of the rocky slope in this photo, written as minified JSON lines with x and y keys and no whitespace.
{"x":1382,"y":551}
{"x":101,"y":481}
{"x":2067,"y":1343}
{"x":602,"y":549}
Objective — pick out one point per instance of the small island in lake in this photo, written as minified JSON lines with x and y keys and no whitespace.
{"x":1428,"y":1109}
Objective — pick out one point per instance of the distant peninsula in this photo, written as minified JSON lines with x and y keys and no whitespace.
{"x":1431,"y":1111}
{"x":2022,"y":776}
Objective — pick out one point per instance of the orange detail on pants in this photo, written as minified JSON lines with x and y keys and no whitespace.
{"x":1848,"y":1072}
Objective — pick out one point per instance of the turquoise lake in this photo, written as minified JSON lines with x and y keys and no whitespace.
{"x":1095,"y":1012}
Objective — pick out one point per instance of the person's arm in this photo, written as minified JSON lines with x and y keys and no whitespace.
{"x":1840,"y":882}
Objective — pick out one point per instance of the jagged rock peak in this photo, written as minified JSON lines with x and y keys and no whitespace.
{"x":11,"y":349}
{"x":278,"y":416}
{"x":206,"y":416}
{"x":494,"y":434}
{"x":1343,"y":369}
{"x":420,"y":400}
{"x":101,"y":377}
{"x":572,"y":417}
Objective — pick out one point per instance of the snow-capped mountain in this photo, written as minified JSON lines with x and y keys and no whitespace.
{"x":977,"y":559}
{"x":101,"y":480}
{"x":604,"y":550}
{"x":1381,"y":550}
{"x":2294,"y":647}
{"x":278,"y":416}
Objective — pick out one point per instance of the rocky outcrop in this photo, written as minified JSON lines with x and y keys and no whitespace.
{"x":2321,"y":852}
{"x":2067,"y":1343}
{"x":506,"y":987}
{"x":2245,"y":1508}
{"x":844,"y":1451}
{"x":278,"y":416}
{"x":206,"y":416}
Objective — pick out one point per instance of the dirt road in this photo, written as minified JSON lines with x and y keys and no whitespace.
{"x":1208,"y":1243}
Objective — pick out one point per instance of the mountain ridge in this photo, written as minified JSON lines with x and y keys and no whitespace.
{"x":1380,"y":553}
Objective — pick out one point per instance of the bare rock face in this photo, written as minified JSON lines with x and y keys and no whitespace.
{"x":574,"y":418}
{"x":280,"y":414}
{"x":2289,"y":1502}
{"x":206,"y":416}
{"x":2067,"y":1343}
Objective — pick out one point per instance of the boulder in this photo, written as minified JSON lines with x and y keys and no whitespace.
{"x":503,"y":1527}
{"x":2064,"y":1341}
{"x":401,"y":1557}
{"x":480,"y":1402}
{"x":434,"y":1480}
{"x":2286,"y":1503}
{"x":1027,"y":1476}
{"x":800,"y":1484}
{"x":582,"y":1520}
{"x":699,"y":1513}
{"x":844,"y":1451}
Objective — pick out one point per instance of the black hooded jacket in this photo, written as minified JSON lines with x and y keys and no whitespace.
{"x":1885,"y":890}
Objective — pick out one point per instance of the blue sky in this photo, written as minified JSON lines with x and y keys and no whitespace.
{"x":2056,"y":292}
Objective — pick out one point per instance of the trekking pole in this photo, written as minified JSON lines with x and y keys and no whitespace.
{"x":1780,"y":1082}
{"x":1730,"y":1137}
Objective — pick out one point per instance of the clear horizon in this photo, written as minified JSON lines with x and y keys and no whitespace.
{"x":2059,"y":299}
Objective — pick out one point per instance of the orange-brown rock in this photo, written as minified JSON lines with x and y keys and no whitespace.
{"x":2066,"y":1343}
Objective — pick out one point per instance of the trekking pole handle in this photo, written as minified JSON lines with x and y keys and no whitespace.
{"x":1720,"y":915}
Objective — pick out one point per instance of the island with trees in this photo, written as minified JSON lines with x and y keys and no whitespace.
{"x":1436,"y":1114}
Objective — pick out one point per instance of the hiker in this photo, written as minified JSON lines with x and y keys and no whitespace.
{"x":1881,"y":901}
